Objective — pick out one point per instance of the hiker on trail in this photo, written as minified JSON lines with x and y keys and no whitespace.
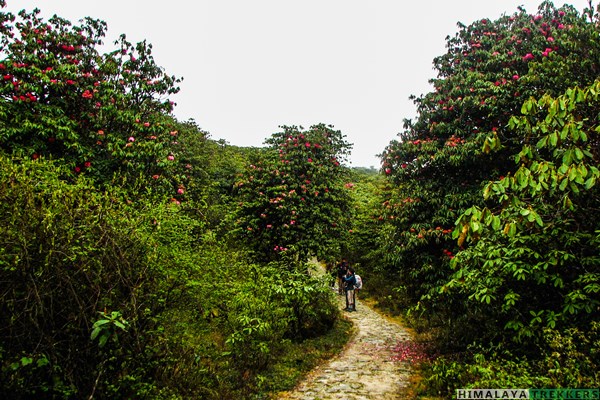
{"x":349,"y":286}
{"x":342,"y":269}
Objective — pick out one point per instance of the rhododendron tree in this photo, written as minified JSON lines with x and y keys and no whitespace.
{"x":461,"y":138}
{"x":294,"y":202}
{"x":100,"y":113}
{"x":517,"y":277}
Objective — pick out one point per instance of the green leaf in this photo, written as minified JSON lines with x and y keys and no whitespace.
{"x":590,"y":182}
{"x":103,"y":339}
{"x":563,"y":184}
{"x":26,"y":361}
{"x":95,"y":333}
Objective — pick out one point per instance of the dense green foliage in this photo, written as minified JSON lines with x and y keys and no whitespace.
{"x":118,"y":275}
{"x":499,"y":259}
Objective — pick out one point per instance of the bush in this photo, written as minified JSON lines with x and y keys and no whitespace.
{"x":84,"y":286}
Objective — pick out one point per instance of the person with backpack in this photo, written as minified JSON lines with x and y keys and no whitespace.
{"x":349,"y":287}
{"x":359,"y":284}
{"x":342,"y":269}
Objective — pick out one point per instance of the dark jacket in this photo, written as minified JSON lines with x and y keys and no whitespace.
{"x":350,"y":281}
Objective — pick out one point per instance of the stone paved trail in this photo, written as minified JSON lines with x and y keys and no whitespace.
{"x":365,"y":369}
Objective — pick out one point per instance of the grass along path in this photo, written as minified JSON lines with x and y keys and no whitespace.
{"x":376,"y":363}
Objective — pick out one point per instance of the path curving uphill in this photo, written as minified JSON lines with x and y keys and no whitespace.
{"x":368,"y":368}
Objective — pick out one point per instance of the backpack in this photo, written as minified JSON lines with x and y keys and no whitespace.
{"x":358,"y":284}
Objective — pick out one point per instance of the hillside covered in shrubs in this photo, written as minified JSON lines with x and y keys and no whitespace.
{"x":140,"y":258}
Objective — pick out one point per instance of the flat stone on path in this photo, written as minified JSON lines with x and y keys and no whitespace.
{"x":366,"y":368}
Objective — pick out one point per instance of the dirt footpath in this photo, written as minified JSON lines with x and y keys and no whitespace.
{"x":368,"y":368}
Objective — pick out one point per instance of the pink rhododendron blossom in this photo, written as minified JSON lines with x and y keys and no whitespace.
{"x":528,"y":57}
{"x":131,"y":139}
{"x":170,"y":158}
{"x":180,"y":191}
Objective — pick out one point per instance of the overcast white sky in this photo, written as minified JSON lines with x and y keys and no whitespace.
{"x":250,"y":66}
